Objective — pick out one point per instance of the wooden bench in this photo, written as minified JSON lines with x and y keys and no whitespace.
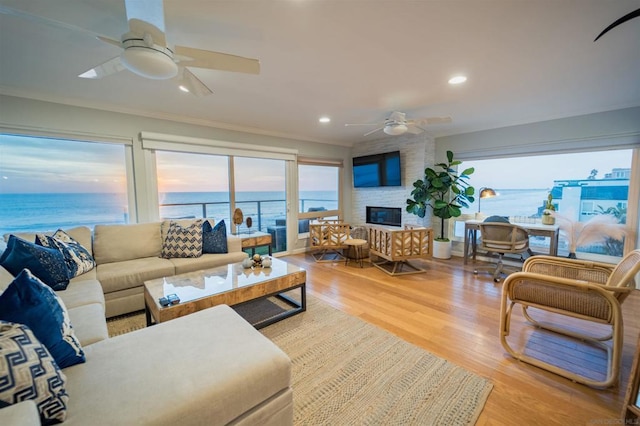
{"x":395,"y":247}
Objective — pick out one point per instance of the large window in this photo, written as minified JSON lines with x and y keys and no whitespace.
{"x":582,"y":185}
{"x":319,"y":190}
{"x":260,"y":192}
{"x":192,"y":185}
{"x":50,"y":183}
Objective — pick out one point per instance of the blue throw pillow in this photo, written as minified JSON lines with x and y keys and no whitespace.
{"x":45,"y":263}
{"x":30,"y":302}
{"x":214,"y":239}
{"x":76,"y":257}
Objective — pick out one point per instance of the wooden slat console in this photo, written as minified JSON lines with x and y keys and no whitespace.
{"x":397,"y":246}
{"x":326,"y":237}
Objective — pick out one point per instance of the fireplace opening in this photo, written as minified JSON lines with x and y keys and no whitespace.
{"x":391,"y":216}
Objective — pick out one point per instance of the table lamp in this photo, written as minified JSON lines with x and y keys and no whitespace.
{"x":485,"y":193}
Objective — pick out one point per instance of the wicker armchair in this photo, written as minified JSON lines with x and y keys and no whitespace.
{"x":327,"y":238}
{"x":588,"y":291}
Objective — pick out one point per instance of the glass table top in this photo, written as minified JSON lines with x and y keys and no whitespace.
{"x":195,"y":285}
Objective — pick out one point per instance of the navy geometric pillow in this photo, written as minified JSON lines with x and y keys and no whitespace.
{"x":45,"y":263}
{"x":30,"y":302}
{"x":28,"y":371}
{"x":214,"y":240}
{"x":77,"y":258}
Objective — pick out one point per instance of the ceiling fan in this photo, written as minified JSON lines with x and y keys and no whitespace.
{"x":147,"y":53}
{"x":397,"y":124}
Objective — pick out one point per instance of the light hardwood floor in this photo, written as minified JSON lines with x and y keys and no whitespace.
{"x":454,"y":314}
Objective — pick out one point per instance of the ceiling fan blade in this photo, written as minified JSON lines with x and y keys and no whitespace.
{"x":415,"y":130}
{"x":148,"y":11}
{"x":199,"y":58}
{"x":373,"y":131}
{"x":363,"y":124}
{"x":5,"y":10}
{"x":112,"y":66}
{"x":110,"y":41}
{"x":193,"y":84}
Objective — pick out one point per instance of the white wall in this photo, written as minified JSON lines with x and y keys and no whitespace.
{"x":416,"y":153}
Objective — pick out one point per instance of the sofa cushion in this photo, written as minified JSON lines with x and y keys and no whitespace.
{"x":5,"y":278}
{"x":214,"y":239}
{"x":30,"y":302}
{"x":29,"y":372}
{"x":183,"y":241}
{"x":90,"y":325}
{"x":23,"y":413}
{"x":45,"y":263}
{"x":77,"y":258}
{"x":209,"y":260}
{"x":80,"y":293}
{"x":116,"y":243}
{"x":216,"y":358}
{"x":132,"y":273}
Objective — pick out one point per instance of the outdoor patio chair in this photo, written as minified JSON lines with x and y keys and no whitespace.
{"x":589,"y":291}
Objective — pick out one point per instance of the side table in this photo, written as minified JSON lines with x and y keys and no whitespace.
{"x":357,"y":245}
{"x":255,"y":239}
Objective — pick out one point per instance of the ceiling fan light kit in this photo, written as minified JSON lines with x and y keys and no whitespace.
{"x":149,"y":62}
{"x":395,"y":129}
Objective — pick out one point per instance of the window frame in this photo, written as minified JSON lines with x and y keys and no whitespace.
{"x":322,"y":214}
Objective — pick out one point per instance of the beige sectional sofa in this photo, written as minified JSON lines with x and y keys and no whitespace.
{"x":211,"y":367}
{"x":128,"y":255}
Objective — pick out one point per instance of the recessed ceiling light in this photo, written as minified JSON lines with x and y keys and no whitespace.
{"x":324,"y":119}
{"x":183,"y":88}
{"x":458,"y":79}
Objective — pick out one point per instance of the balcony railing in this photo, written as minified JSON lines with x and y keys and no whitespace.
{"x":265,"y":213}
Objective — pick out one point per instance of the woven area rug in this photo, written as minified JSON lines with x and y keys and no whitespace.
{"x":349,"y":372}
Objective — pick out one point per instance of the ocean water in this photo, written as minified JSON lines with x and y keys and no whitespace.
{"x":512,"y":202}
{"x":48,"y":212}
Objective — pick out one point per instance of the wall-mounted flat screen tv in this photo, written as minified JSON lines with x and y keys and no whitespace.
{"x":377,"y":170}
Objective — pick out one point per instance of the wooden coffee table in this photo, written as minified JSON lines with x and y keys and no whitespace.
{"x":231,"y":285}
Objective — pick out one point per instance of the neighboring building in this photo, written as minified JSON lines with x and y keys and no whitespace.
{"x":591,"y":194}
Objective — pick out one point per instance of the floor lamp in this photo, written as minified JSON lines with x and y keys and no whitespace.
{"x":484,"y":193}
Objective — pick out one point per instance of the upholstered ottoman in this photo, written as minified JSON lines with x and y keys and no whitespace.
{"x":210,"y":367}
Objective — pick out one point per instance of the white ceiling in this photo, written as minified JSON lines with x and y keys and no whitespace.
{"x":353,"y":60}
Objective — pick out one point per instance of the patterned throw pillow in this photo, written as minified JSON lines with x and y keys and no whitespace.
{"x":28,"y":371}
{"x":214,"y":239}
{"x":183,"y":241}
{"x":45,"y":263}
{"x":77,"y":258}
{"x":30,"y":302}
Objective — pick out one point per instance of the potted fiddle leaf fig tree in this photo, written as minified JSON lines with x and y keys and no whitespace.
{"x":446,"y":192}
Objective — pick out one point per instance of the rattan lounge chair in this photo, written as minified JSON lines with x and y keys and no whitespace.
{"x":589,"y":291}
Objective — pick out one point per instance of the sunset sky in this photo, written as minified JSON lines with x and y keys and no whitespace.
{"x":44,"y":165}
